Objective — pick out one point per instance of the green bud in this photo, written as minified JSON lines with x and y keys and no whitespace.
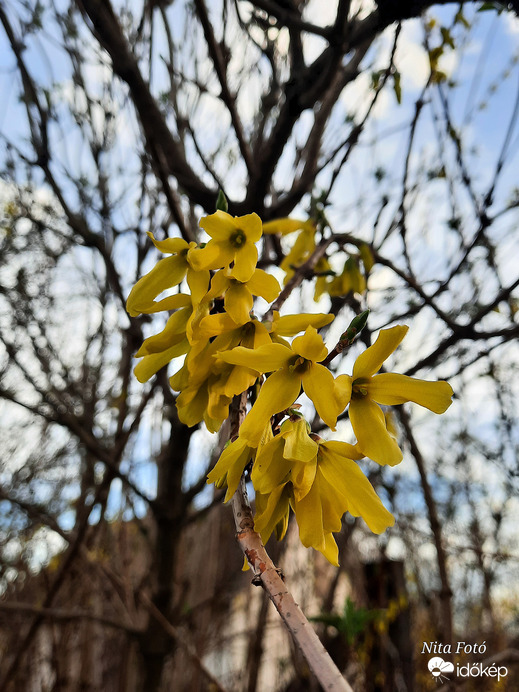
{"x":221,"y":202}
{"x":356,"y":326}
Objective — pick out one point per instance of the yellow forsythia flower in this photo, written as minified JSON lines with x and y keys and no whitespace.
{"x":285,"y":226}
{"x":320,"y":481}
{"x":367,"y":390}
{"x":238,"y":295}
{"x":292,"y":367}
{"x":300,"y":251}
{"x":233,"y":239}
{"x":232,"y":462}
{"x":167,"y":273}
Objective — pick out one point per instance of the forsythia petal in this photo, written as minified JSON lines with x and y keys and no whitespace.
{"x":170,"y":245}
{"x":215,"y":324}
{"x":264,"y":285}
{"x":285,"y":226}
{"x":278,"y":392}
{"x":298,"y":444}
{"x":218,"y":225}
{"x":208,"y":257}
{"x":310,"y":345}
{"x":270,"y":510}
{"x":270,"y":469}
{"x":173,"y":333}
{"x":198,"y":282}
{"x":345,"y":476}
{"x":245,"y":262}
{"x":369,"y":426}
{"x":390,"y":389}
{"x":153,"y":362}
{"x":238,"y":302}
{"x":343,"y":450}
{"x":266,"y":358}
{"x":238,"y":380}
{"x":309,"y":517}
{"x":318,"y":384}
{"x":288,"y":325}
{"x":303,"y":477}
{"x":221,"y":224}
{"x":330,"y":550}
{"x":231,"y":465}
{"x":342,"y":390}
{"x":166,"y":273}
{"x":370,"y":362}
{"x":179,"y":300}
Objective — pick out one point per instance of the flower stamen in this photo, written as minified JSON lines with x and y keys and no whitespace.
{"x":238,"y":238}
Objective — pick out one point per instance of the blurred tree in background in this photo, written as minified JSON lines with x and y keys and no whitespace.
{"x":395,"y":125}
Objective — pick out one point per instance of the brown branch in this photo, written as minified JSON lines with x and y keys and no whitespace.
{"x":165,"y":150}
{"x":62,"y":614}
{"x":181,"y":641}
{"x":303,"y":272}
{"x":301,"y":91}
{"x":291,"y":18}
{"x":36,"y":513}
{"x":69,"y":557}
{"x":268,"y":576}
{"x":387,"y":13}
{"x":468,"y":331}
{"x":312,"y":147}
{"x":40,"y":141}
{"x":216,"y":53}
{"x":120,"y":586}
{"x":255,"y":648}
{"x":92,"y":445}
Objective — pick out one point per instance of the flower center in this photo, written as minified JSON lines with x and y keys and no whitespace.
{"x":300,"y":364}
{"x":359,"y":389}
{"x":238,"y":238}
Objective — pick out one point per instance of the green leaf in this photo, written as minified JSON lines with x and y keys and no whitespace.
{"x":397,"y":88}
{"x":498,"y":6}
{"x":375,"y":79}
{"x":351,"y":622}
{"x":221,"y":202}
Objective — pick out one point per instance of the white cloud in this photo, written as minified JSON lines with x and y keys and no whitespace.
{"x":511,"y":23}
{"x":357,"y":97}
{"x":362,"y":8}
{"x":320,"y":13}
{"x":411,"y":59}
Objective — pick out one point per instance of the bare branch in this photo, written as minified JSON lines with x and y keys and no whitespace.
{"x":64,"y":614}
{"x":165,"y":151}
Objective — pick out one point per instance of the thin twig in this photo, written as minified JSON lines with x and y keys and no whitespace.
{"x":180,"y":641}
{"x":302,"y":272}
{"x":268,"y":576}
{"x":63,"y":614}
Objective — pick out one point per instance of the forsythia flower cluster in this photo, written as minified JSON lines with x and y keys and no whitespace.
{"x":228,"y":351}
